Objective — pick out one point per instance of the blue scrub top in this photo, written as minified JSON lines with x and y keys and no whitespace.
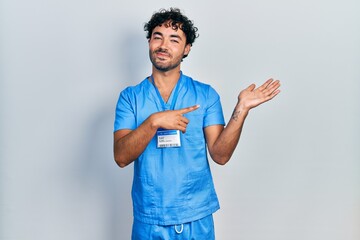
{"x":172,"y":185}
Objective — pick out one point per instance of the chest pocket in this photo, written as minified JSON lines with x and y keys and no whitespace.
{"x":194,"y":136}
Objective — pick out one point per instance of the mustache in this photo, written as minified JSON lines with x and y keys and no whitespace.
{"x":161,"y":50}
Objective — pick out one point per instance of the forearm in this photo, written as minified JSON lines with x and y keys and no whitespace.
{"x":222,"y":146}
{"x":225,"y":144}
{"x":131,"y":146}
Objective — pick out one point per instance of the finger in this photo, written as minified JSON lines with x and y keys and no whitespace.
{"x":266,"y":84}
{"x":274,"y":83}
{"x":184,"y":120}
{"x":251,"y":87}
{"x":275,"y":93}
{"x":182,"y":125}
{"x":273,"y":87}
{"x":272,"y":95}
{"x":188,"y":109}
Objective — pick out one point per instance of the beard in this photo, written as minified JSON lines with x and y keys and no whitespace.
{"x":164,"y":66}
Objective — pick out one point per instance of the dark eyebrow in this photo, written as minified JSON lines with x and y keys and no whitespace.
{"x":157,"y":33}
{"x":172,"y":35}
{"x":175,"y":36}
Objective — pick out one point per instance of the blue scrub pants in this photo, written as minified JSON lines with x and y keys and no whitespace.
{"x":202,"y":229}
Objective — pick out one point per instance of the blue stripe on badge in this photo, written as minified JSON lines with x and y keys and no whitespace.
{"x":167,"y":132}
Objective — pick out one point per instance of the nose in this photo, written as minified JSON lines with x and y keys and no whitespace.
{"x":164,"y":43}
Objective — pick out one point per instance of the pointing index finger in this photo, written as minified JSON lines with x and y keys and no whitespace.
{"x":189,"y":109}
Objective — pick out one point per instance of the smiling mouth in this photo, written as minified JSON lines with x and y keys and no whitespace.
{"x":162,"y":55}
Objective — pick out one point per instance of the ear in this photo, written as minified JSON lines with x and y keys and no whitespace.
{"x":187,"y":49}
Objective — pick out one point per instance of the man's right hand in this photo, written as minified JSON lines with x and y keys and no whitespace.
{"x":172,"y":119}
{"x":129,"y":144}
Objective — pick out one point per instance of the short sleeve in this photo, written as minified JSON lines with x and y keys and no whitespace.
{"x":214,"y":113}
{"x":125,"y":113}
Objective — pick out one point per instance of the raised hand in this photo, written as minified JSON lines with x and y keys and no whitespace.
{"x":173,"y":119}
{"x":252,"y":97}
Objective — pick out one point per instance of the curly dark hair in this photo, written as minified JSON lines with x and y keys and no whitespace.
{"x":177,"y":20}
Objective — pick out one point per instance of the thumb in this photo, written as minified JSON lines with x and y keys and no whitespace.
{"x":251,"y":87}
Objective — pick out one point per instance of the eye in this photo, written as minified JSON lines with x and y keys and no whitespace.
{"x":174,"y":41}
{"x":156,"y":36}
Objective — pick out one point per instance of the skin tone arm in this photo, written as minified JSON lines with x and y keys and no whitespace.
{"x":129,"y":144}
{"x":223,"y":141}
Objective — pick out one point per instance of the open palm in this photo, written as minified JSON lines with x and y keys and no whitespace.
{"x":252,"y":97}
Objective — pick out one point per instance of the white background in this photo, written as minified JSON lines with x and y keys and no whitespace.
{"x":296,"y":172}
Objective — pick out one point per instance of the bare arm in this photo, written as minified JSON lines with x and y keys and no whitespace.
{"x":223,"y":141}
{"x":130,"y":144}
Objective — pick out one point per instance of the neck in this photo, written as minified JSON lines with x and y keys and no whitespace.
{"x":166,"y":80}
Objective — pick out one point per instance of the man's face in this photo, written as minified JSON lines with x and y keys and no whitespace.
{"x":167,"y":47}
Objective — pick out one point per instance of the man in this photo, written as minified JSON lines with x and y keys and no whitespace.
{"x":165,"y":125}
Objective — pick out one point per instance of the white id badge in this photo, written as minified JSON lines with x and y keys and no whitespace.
{"x":168,"y":138}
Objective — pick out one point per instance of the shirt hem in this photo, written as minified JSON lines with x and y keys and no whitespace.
{"x":175,"y":222}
